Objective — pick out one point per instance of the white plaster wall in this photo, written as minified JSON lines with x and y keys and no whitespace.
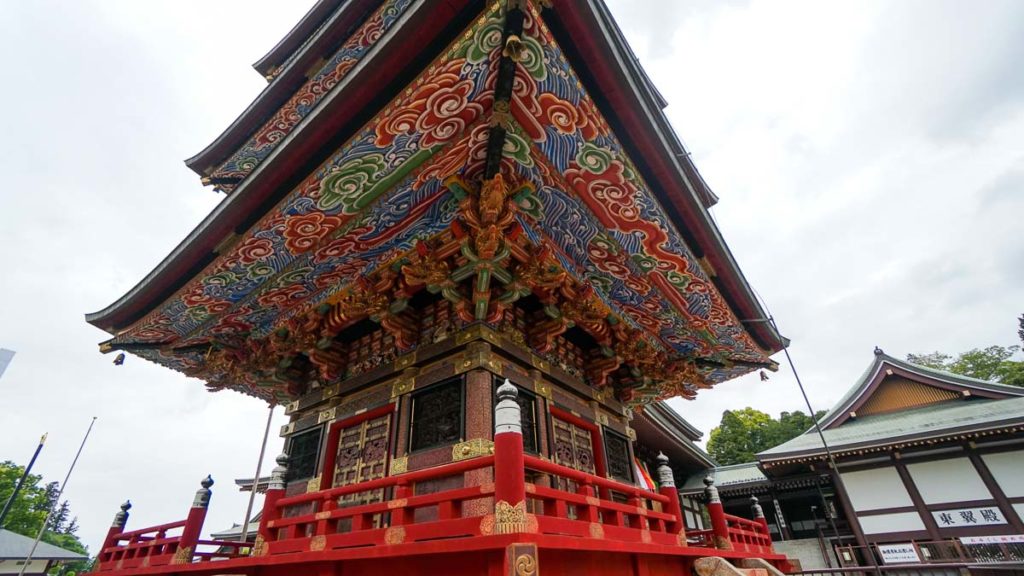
{"x":1008,"y":470}
{"x":901,"y":522}
{"x":950,"y":480}
{"x":1019,"y":509}
{"x":876,"y":488}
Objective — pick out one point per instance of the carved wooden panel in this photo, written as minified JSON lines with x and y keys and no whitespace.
{"x":438,"y":322}
{"x":574,"y":446}
{"x":362,"y":456}
{"x":370,"y":351}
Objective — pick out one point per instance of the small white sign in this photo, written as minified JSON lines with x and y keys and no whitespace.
{"x":899,"y":553}
{"x":969,"y":517}
{"x":1005,"y":539}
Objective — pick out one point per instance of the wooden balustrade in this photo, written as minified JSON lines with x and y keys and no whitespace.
{"x":748,"y":535}
{"x":154,"y":547}
{"x":391,"y":521}
{"x":636,"y":518}
{"x":559,"y":501}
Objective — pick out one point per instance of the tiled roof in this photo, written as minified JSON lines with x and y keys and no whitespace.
{"x":725,"y":476}
{"x":929,"y":421}
{"x":14,"y":546}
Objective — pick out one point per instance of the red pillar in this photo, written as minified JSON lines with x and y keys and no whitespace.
{"x":275,"y":491}
{"x":719,"y":525}
{"x":667,"y":489}
{"x":509,"y":467}
{"x":193,"y":524}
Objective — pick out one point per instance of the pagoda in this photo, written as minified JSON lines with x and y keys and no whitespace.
{"x":462,"y":246}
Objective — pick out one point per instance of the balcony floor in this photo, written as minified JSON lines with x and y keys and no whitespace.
{"x":464,"y":556}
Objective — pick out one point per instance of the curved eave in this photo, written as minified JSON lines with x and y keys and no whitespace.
{"x":416,"y":36}
{"x":633,"y":107}
{"x":295,"y":37}
{"x":341,"y":24}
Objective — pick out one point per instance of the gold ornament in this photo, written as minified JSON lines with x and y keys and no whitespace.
{"x":526,"y":565}
{"x":509,"y":519}
{"x":473,"y":448}
{"x":182,"y":556}
{"x":394,"y":535}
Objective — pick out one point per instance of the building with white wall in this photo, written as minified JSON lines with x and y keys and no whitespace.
{"x":923,"y":458}
{"x":921,"y":455}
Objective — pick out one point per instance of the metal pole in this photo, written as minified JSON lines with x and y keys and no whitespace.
{"x":256,"y":478}
{"x":21,"y":482}
{"x":39,"y":536}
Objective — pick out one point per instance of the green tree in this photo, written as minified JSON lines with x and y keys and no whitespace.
{"x":744,"y":433}
{"x":29,"y":510}
{"x":992,"y":364}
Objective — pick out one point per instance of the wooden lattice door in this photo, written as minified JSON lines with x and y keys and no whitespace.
{"x":362,"y":455}
{"x":574,"y":447}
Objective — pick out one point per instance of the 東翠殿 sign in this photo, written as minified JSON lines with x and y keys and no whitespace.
{"x":985,"y":516}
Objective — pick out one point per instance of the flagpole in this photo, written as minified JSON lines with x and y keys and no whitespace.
{"x":256,"y":478}
{"x":49,"y":513}
{"x":21,"y":482}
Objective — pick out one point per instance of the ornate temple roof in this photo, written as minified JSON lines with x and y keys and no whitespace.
{"x":447,"y":135}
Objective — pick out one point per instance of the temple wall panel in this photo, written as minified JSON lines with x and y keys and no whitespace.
{"x":1019,"y":509}
{"x":948,"y":480}
{"x":885,"y":523}
{"x":876,"y":488}
{"x":1008,"y":470}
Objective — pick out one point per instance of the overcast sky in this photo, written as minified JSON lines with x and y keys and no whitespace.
{"x":869,"y":157}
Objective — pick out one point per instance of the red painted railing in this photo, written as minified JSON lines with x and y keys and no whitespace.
{"x":392,"y":521}
{"x":639,"y":517}
{"x":592,"y":507}
{"x":748,"y":535}
{"x":153,"y":546}
{"x":557,"y":501}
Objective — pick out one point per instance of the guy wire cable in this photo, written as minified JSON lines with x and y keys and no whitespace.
{"x":840,"y":486}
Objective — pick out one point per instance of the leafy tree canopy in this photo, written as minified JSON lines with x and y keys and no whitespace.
{"x":28,"y":512}
{"x":992,"y":363}
{"x":744,"y":433}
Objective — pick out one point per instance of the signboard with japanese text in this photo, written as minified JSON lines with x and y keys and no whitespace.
{"x":899,"y":553}
{"x":986,"y":516}
{"x":1004,"y":539}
